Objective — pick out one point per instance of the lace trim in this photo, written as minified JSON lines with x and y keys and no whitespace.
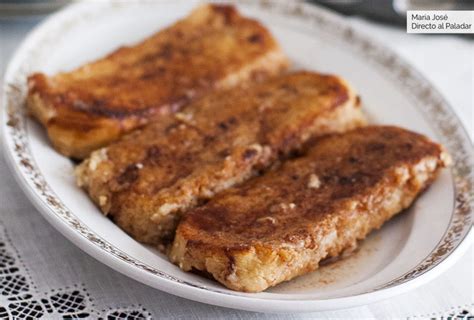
{"x":465,"y":312}
{"x":21,"y":299}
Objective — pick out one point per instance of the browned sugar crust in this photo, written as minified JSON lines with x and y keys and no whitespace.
{"x":282,"y":224}
{"x":144,"y":181}
{"x":214,"y":47}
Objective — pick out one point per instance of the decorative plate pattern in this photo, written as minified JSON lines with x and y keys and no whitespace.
{"x":446,"y":125}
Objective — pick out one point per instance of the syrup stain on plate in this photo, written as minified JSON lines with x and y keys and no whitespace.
{"x":336,"y":273}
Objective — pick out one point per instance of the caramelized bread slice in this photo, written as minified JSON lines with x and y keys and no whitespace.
{"x":214,"y":47}
{"x":145,"y":180}
{"x":282,"y":224}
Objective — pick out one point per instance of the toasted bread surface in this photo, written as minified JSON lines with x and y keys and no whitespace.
{"x":214,"y":47}
{"x":145,"y":180}
{"x":282,"y":224}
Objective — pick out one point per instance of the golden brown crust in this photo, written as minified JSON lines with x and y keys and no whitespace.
{"x":280,"y":225}
{"x":145,"y":180}
{"x":214,"y":47}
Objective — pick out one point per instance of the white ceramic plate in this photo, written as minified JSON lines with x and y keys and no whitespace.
{"x":410,"y":250}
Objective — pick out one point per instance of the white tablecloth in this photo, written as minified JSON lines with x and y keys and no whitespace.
{"x":43,"y":274}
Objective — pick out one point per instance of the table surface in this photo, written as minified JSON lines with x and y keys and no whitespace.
{"x":52,"y":277}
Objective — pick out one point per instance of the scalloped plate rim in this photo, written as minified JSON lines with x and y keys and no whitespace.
{"x":183,"y":289}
